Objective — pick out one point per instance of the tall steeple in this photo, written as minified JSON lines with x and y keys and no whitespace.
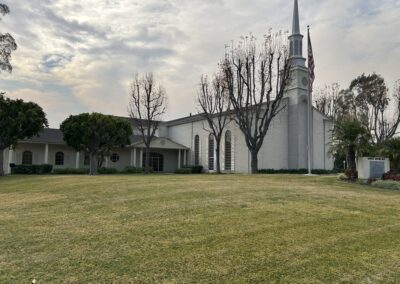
{"x":296,"y":39}
{"x":296,"y":20}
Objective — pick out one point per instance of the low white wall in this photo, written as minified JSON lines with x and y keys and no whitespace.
{"x":364,"y":166}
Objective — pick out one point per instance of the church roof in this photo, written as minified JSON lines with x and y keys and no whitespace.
{"x":56,"y":137}
{"x":161,"y":143}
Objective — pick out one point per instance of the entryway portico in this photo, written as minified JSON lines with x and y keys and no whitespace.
{"x":165,"y":155}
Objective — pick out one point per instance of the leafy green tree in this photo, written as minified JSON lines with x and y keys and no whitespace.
{"x":18,"y":120}
{"x":391,"y":149}
{"x":96,"y":134}
{"x":350,"y":137}
{"x":7,"y":44}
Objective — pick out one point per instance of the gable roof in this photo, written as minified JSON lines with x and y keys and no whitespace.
{"x":161,"y":143}
{"x":56,"y":137}
{"x":46,"y":136}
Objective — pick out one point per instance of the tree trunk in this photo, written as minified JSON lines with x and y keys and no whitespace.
{"x":147,"y":160}
{"x":1,"y":162}
{"x":351,"y":162}
{"x":254,"y":162}
{"x":93,"y":164}
{"x":217,"y":153}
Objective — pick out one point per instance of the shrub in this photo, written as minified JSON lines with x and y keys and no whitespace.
{"x":296,"y":171}
{"x":194,"y":169}
{"x":184,"y":171}
{"x":71,"y":171}
{"x":391,"y":176}
{"x":31,"y":169}
{"x":107,"y":171}
{"x":343,"y":177}
{"x":387,"y":184}
{"x":132,"y":170}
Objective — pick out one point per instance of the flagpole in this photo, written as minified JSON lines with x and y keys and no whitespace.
{"x":309,"y":110}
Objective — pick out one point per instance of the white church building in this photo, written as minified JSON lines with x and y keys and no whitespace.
{"x":186,"y":141}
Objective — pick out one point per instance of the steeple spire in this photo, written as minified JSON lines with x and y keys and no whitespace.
{"x":296,"y":19}
{"x":296,"y":39}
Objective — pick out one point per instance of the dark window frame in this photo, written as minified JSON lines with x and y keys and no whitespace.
{"x":27,"y":157}
{"x":228,"y":150}
{"x":114,"y":157}
{"x":59,"y":159}
{"x":211,"y":149}
{"x":197,"y":150}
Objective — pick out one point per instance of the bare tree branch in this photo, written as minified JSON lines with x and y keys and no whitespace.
{"x":147,"y":106}
{"x":214,"y":102}
{"x":256,"y":80}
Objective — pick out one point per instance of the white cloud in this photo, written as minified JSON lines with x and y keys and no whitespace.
{"x":88,"y":51}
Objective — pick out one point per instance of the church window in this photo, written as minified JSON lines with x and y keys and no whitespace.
{"x":296,"y":47}
{"x":228,"y":151}
{"x":27,"y":158}
{"x":197,"y":150}
{"x":291,"y":48}
{"x":301,"y":48}
{"x":114,"y":158}
{"x":211,"y":152}
{"x":59,"y":159}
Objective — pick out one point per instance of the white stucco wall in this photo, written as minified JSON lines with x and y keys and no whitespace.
{"x":322,"y":131}
{"x":273,"y":153}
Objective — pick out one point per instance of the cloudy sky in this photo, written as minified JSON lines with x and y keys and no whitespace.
{"x":79,"y":56}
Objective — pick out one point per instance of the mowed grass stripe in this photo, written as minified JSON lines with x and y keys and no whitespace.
{"x":207,"y":228}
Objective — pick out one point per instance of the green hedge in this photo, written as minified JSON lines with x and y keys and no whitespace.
{"x":132,"y":170}
{"x":71,"y":171}
{"x":296,"y":171}
{"x":194,"y":169}
{"x":31,"y":169}
{"x":107,"y":171}
{"x":184,"y":171}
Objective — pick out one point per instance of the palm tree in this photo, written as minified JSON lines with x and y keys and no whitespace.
{"x":350,"y":137}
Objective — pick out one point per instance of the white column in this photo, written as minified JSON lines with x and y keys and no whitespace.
{"x":106,"y":163}
{"x":46,"y":154}
{"x":141,"y":157}
{"x":10,"y":160}
{"x":184,"y":158}
{"x":77,"y":160}
{"x":134,"y":157}
{"x":179,"y":159}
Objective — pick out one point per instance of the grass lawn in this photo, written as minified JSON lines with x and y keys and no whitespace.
{"x":207,"y":228}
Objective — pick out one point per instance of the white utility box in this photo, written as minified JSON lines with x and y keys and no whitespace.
{"x":372,"y":167}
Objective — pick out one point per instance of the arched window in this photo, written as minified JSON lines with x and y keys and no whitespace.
{"x":59,"y":159}
{"x":196,"y":150}
{"x":114,"y":158}
{"x":228,"y":150}
{"x":27,"y":158}
{"x":211,"y":152}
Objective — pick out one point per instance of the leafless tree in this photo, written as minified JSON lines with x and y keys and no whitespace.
{"x":257,"y":78}
{"x":373,"y":105}
{"x":7,"y":44}
{"x":214,"y":102}
{"x":147,"y":106}
{"x":327,"y":100}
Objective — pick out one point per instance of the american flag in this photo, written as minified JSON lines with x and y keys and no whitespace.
{"x":311,"y":63}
